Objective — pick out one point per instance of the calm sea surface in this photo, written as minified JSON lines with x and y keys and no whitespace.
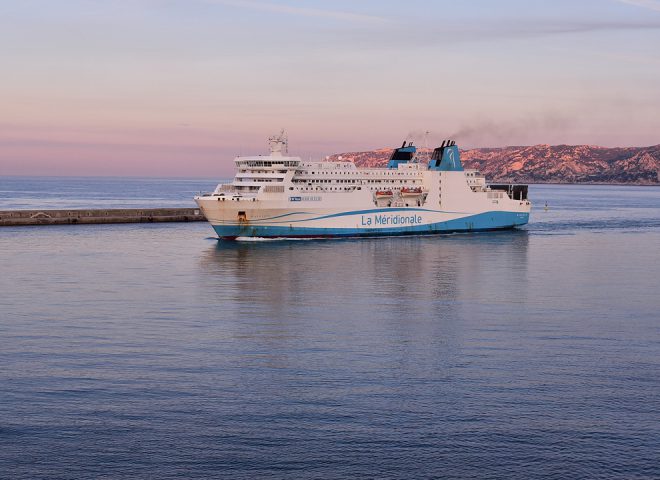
{"x":155,"y":351}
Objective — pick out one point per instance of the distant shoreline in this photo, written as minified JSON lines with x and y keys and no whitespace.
{"x":587,"y":184}
{"x":548,"y":164}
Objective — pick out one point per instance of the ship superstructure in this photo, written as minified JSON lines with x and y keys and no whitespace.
{"x":278,"y":195}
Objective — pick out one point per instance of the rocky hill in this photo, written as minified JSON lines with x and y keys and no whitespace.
{"x":547,"y":164}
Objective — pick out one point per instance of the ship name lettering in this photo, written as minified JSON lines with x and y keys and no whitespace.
{"x":397,"y":220}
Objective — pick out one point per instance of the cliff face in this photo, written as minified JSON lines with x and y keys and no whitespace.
{"x":548,"y":164}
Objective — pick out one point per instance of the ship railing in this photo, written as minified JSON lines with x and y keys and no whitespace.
{"x":273,"y":189}
{"x":340,"y":189}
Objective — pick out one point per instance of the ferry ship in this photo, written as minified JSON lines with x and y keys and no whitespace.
{"x":279,"y":196}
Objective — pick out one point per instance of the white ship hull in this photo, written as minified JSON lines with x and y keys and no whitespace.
{"x":288,"y":223}
{"x":275,"y":196}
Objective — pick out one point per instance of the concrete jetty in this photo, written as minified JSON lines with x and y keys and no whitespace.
{"x":80,"y":217}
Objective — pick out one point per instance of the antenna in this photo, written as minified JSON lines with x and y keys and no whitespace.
{"x":279,"y":144}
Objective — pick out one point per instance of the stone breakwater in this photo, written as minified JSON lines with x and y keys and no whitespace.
{"x":78,"y":217}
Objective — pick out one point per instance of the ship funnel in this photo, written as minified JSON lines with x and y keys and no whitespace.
{"x":403,"y":154}
{"x":446,"y":158}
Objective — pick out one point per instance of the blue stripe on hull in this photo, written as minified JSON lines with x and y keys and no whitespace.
{"x":473,"y":223}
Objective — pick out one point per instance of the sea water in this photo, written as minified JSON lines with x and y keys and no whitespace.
{"x":157,"y":351}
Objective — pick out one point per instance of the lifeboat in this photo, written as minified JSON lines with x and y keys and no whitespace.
{"x":384,"y":194}
{"x":411,"y":192}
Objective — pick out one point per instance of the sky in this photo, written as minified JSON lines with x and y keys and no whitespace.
{"x":179,"y":87}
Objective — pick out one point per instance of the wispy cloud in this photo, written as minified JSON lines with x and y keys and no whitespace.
{"x":627,"y":57}
{"x":428,"y":34}
{"x":649,"y":4}
{"x":302,"y":11}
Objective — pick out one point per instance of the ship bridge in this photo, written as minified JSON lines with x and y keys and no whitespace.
{"x":255,"y":172}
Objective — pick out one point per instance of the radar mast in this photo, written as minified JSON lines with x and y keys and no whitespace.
{"x":279,"y":144}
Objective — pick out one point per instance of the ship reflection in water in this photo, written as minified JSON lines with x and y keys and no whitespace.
{"x":408,"y":273}
{"x":416,"y":295}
